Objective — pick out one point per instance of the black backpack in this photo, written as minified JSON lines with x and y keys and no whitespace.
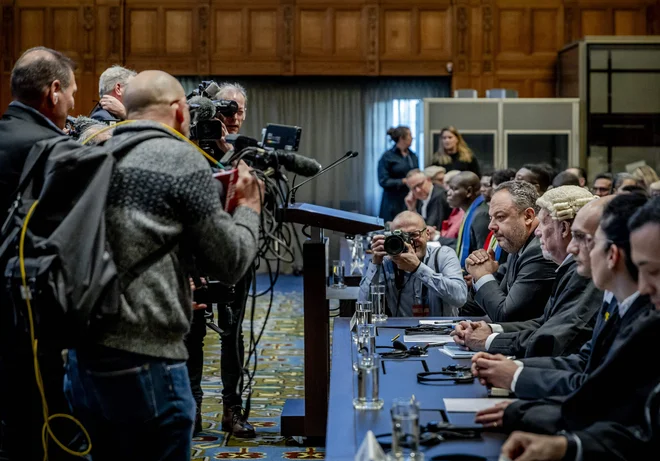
{"x":73,"y":283}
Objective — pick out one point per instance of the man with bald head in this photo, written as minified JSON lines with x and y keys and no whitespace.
{"x":130,"y":386}
{"x":43,"y":86}
{"x":464,"y":192}
{"x":569,"y":315}
{"x":520,"y":288}
{"x":422,"y":281}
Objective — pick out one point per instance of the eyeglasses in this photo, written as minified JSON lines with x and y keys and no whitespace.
{"x":582,"y":239}
{"x":600,"y":189}
{"x":416,"y":234}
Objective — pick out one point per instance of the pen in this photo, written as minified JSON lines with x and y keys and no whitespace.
{"x":395,"y":338}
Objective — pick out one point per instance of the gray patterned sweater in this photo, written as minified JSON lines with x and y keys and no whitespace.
{"x":162,"y":191}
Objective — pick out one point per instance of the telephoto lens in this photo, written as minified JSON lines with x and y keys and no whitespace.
{"x":395,"y":242}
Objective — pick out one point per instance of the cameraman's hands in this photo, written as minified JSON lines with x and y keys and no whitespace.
{"x":378,"y":249}
{"x":249,"y":189}
{"x":222,"y":143}
{"x":196,"y":306}
{"x":407,"y":261}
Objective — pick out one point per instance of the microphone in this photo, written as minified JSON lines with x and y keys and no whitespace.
{"x":202,"y":108}
{"x":348,"y":155}
{"x":298,"y":164}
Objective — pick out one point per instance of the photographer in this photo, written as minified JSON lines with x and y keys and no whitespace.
{"x":130,"y":387}
{"x":423,"y":280}
{"x":230,"y":318}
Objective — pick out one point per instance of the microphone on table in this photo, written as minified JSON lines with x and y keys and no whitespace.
{"x":348,"y":155}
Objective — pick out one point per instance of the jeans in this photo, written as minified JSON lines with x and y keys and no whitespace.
{"x":134,"y":407}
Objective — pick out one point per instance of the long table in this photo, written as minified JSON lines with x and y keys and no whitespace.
{"x":347,"y":427}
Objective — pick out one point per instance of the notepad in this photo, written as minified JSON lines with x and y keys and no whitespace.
{"x":429,"y":339}
{"x":457,"y":352}
{"x":471,"y":405}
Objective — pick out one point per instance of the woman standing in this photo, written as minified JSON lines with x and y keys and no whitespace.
{"x":392,"y":169}
{"x":454,"y":154}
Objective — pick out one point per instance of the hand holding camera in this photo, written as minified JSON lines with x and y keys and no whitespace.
{"x":378,"y":249}
{"x":407,"y":260}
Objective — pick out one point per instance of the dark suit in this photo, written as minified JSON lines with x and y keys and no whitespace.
{"x":20,"y":404}
{"x":521,"y":287}
{"x":392,"y":168}
{"x":544,"y":376}
{"x":566,"y":324}
{"x":479,"y":229}
{"x":20,"y":129}
{"x":615,"y":391}
{"x":437,"y":209}
{"x":102,"y":115}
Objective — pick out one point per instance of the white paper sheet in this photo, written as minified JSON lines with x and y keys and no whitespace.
{"x":428,"y":339}
{"x":455,"y":351}
{"x":438,"y":322}
{"x":472,"y":405}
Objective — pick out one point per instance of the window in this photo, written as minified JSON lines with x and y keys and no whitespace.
{"x":408,"y":112}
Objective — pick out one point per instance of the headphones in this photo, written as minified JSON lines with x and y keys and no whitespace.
{"x":459,"y":374}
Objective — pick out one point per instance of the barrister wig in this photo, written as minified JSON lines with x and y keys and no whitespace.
{"x":564,"y":202}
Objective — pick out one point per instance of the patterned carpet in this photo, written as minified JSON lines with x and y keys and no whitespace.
{"x":279,"y":377}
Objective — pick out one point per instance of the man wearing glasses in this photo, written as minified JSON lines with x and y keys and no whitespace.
{"x":423,"y":281}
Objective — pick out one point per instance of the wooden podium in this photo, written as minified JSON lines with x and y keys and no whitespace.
{"x":308,"y":417}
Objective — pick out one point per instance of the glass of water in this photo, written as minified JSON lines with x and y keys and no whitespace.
{"x":363,"y":316}
{"x":338,"y":274}
{"x":366,"y":395}
{"x":365,"y":344}
{"x":405,"y":430}
{"x":378,"y":303}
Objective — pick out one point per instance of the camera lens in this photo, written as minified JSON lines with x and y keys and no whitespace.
{"x":394,"y":245}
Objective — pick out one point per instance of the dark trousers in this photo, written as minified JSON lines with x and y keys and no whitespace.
{"x":134,"y":407}
{"x":195,"y":345}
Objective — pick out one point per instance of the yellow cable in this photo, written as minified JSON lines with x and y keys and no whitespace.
{"x":169,"y":128}
{"x":46,"y":429}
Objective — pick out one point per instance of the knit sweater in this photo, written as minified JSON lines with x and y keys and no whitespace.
{"x":161,"y":192}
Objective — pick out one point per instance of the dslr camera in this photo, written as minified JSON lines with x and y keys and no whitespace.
{"x":395,"y":242}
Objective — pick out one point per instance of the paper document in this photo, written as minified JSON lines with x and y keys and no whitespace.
{"x":455,"y":351}
{"x":471,"y":405}
{"x":428,"y":339}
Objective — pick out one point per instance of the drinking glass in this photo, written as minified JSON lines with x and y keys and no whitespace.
{"x":365,"y":344}
{"x":363,"y":316}
{"x":366,"y":384}
{"x":378,"y":303}
{"x":405,"y":430}
{"x":338,"y":274}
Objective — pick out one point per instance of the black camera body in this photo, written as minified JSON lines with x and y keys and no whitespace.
{"x":395,"y":242}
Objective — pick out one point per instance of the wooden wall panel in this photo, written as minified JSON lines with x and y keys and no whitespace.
{"x":485,"y":43}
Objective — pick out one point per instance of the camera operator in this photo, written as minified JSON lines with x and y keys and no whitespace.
{"x":232,"y":346}
{"x":423,"y":280}
{"x":112,"y":88}
{"x":43,"y":86}
{"x":130,"y":387}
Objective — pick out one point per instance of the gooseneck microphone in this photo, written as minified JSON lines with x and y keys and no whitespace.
{"x":348,"y":155}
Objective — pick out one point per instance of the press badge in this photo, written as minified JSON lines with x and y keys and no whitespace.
{"x":420,"y":310}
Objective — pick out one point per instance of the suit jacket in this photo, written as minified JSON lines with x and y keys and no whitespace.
{"x":545,"y":376}
{"x":479,"y":229}
{"x":102,"y":115}
{"x":437,"y":209}
{"x":608,"y":441}
{"x":20,"y":129}
{"x":615,"y":391}
{"x":521,"y":287}
{"x":566,"y":324}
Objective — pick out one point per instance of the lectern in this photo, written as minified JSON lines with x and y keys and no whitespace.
{"x":307,"y":417}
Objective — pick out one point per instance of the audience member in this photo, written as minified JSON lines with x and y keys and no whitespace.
{"x":645,"y":175}
{"x":112,"y":88}
{"x":603,"y":185}
{"x":43,"y":86}
{"x":464,"y":193}
{"x":606,"y":440}
{"x":565,"y":179}
{"x":581,"y":173}
{"x":623,"y":179}
{"x":613,"y":270}
{"x":487,"y":187}
{"x":630,"y":189}
{"x":454,"y":153}
{"x":519,"y":289}
{"x":393,"y":167}
{"x":569,"y":314}
{"x":538,"y":175}
{"x":427,"y":199}
{"x":655,"y":189}
{"x":498,"y":177}
{"x":436,"y":174}
{"x":422,"y":281}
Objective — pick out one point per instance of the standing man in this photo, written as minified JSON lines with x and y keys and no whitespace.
{"x":112,"y":88}
{"x":520,"y":288}
{"x":43,"y":86}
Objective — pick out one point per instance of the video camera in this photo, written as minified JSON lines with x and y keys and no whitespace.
{"x":395,"y":242}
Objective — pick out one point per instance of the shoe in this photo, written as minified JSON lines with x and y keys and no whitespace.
{"x":234,"y":422}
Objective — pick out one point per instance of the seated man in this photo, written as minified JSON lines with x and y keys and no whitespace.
{"x":570,"y":313}
{"x":520,"y":288}
{"x":427,"y":199}
{"x":614,"y":391}
{"x":537,"y":174}
{"x":606,"y":440}
{"x":422,"y":281}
